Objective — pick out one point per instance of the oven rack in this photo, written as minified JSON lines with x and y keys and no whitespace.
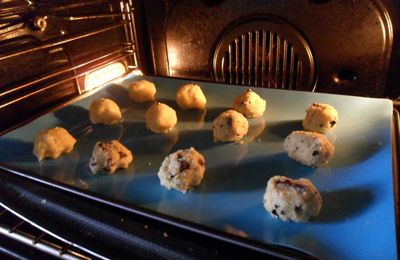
{"x":17,"y":229}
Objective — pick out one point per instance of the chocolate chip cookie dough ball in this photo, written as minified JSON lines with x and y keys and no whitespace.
{"x":229,"y":126}
{"x":142,"y":91}
{"x":104,"y":111}
{"x":289,"y":199}
{"x":160,"y":118}
{"x":182,"y":170}
{"x":109,"y":156}
{"x":190,"y":96}
{"x":53,"y":142}
{"x":320,"y":118}
{"x":250,"y":104}
{"x":309,"y":148}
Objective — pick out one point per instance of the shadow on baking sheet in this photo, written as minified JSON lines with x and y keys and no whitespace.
{"x":13,"y":150}
{"x":72,"y":115}
{"x":355,"y":150}
{"x":119,"y":94}
{"x":339,"y":205}
{"x":283,"y":128}
{"x":250,"y":174}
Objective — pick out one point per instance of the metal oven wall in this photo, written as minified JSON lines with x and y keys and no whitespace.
{"x":353,"y":43}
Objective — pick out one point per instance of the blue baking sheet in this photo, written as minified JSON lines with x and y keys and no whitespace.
{"x":357,"y":220}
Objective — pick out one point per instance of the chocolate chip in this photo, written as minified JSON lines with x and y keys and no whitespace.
{"x":93,"y":164}
{"x":302,"y":141}
{"x":297,"y":148}
{"x":201,"y":162}
{"x":122,"y":155}
{"x":297,"y":208}
{"x":184,"y":165}
{"x":274,"y":212}
{"x":276,"y":206}
{"x":229,"y":121}
{"x":283,"y":212}
{"x":315,"y":153}
{"x":221,"y":125}
{"x":332,"y":123}
{"x":320,"y":125}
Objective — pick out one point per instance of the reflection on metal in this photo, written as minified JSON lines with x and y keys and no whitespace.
{"x":104,"y":75}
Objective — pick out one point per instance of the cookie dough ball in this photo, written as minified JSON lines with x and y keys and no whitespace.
{"x":104,"y":111}
{"x":53,"y":142}
{"x":250,"y":104}
{"x":109,"y":156}
{"x":230,"y":126}
{"x":182,"y":170}
{"x":309,"y":148}
{"x":190,"y":96}
{"x":160,"y":118}
{"x":320,"y":118}
{"x":289,"y":199}
{"x":142,"y":90}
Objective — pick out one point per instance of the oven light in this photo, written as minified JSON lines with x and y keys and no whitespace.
{"x":105,"y":74}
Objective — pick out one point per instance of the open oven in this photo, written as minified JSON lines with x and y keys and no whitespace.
{"x":58,"y":56}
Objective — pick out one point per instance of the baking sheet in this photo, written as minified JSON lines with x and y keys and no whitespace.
{"x":357,"y":220}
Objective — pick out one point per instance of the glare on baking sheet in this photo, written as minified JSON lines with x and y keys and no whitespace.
{"x":105,"y":74}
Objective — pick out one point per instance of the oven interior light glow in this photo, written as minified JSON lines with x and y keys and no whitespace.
{"x":105,"y":74}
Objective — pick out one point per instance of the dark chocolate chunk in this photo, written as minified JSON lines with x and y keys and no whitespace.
{"x":315,"y":153}
{"x":332,"y":123}
{"x":184,"y":165}
{"x":283,"y":212}
{"x":274,"y":212}
{"x":201,"y":162}
{"x":229,"y":121}
{"x":298,"y":208}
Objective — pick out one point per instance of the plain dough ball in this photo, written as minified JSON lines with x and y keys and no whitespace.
{"x":320,"y":118}
{"x":142,"y":90}
{"x":250,"y":104}
{"x":230,"y":126}
{"x":109,"y":156}
{"x":309,"y":148}
{"x":53,"y":142}
{"x":160,"y":118}
{"x":182,"y":170}
{"x":104,"y":111}
{"x":190,"y":96}
{"x":289,"y":199}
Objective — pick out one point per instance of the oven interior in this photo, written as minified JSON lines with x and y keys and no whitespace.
{"x":50,"y":51}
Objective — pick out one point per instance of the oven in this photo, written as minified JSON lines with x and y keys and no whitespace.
{"x":54,"y":54}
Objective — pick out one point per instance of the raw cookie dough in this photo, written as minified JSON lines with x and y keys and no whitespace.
{"x":190,"y":96}
{"x":160,"y":118}
{"x":289,"y":199}
{"x":229,"y":126}
{"x":104,"y":111}
{"x":53,"y":142}
{"x":250,"y":104}
{"x":309,"y":148}
{"x":182,"y":170}
{"x":320,"y":118}
{"x":109,"y":156}
{"x":142,"y":90}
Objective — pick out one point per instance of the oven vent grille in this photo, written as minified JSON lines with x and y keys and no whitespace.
{"x":262,"y":58}
{"x":255,"y":54}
